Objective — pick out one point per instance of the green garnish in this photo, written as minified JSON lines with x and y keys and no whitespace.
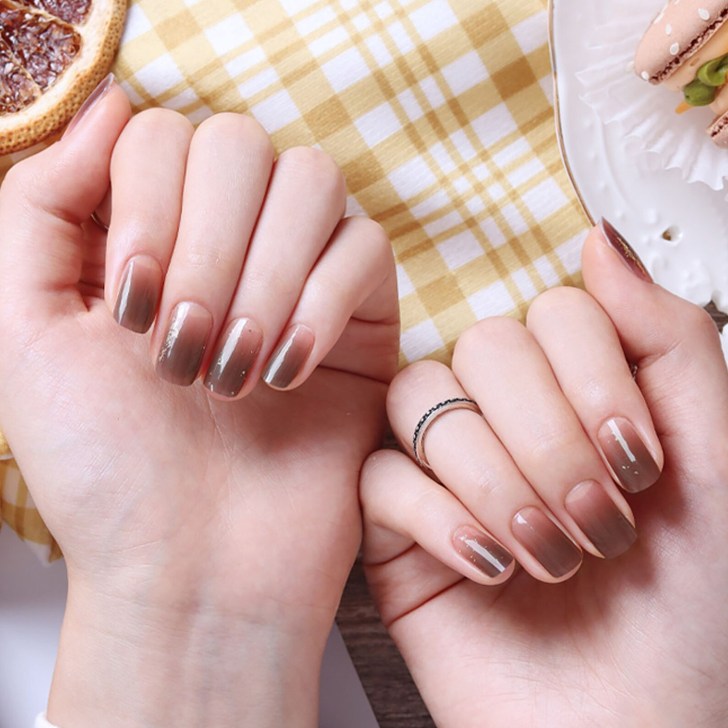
{"x":698,"y":94}
{"x":710,"y":77}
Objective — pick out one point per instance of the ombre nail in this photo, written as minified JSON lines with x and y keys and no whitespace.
{"x":184,"y":344}
{"x":629,"y":458}
{"x":626,"y":252}
{"x":545,"y":541}
{"x":290,"y":357}
{"x":141,"y":285}
{"x":485,"y":554}
{"x":234,"y":357}
{"x":598,"y":517}
{"x":94,"y":97}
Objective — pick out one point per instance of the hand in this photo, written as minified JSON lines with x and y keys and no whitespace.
{"x":208,"y":530}
{"x":639,"y":640}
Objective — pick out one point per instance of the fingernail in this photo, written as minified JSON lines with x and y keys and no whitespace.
{"x":545,"y":541}
{"x":289,"y":358}
{"x":184,"y":343}
{"x":233,"y":359}
{"x":627,"y":455}
{"x":96,"y":95}
{"x":479,"y":549}
{"x":141,"y":285}
{"x":618,"y":243}
{"x":598,"y":517}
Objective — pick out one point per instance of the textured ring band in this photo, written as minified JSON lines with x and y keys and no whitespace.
{"x":418,"y":439}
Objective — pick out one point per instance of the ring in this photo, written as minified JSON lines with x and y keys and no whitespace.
{"x":418,"y":439}
{"x":99,"y":221}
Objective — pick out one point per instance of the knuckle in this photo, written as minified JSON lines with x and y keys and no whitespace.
{"x":413,"y":379}
{"x":229,"y":124}
{"x":479,"y":339}
{"x":317,"y":167}
{"x":553,"y":301}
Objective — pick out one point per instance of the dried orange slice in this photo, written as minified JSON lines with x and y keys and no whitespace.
{"x":53,"y":53}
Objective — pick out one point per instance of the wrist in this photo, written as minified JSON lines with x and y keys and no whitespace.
{"x":122,"y":663}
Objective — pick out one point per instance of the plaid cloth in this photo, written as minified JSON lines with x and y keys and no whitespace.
{"x":439,"y":113}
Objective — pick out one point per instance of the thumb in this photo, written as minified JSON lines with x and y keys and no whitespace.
{"x":674,"y":344}
{"x":45,"y":198}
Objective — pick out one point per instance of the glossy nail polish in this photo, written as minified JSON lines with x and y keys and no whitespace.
{"x":94,"y":97}
{"x":485,"y":554}
{"x":545,"y":541}
{"x":290,"y":357}
{"x":629,"y":257}
{"x":183,"y":348}
{"x":234,"y":357}
{"x":598,"y":517}
{"x":627,"y":455}
{"x":138,"y":297}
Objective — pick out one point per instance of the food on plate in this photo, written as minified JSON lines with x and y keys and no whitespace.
{"x":686,"y":49}
{"x":53,"y":53}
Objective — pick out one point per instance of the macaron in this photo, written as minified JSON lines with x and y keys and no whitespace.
{"x":686,"y":48}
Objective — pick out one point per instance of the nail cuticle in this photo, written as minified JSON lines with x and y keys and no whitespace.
{"x":234,"y":358}
{"x":600,"y":519}
{"x":631,"y":462}
{"x":287,"y":361}
{"x":183,"y":348}
{"x":481,"y":551}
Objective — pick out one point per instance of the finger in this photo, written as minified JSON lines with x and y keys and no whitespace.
{"x":587,"y":359}
{"x":398,"y":498}
{"x":303,"y":206}
{"x":471,"y":462}
{"x":45,"y":200}
{"x":147,"y":178}
{"x":335,"y":292}
{"x":228,"y":169}
{"x":506,"y":372}
{"x":675,"y":345}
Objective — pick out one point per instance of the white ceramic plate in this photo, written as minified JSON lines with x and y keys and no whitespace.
{"x":680,"y":230}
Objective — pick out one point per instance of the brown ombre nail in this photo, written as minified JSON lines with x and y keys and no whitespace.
{"x":184,"y":343}
{"x":485,"y":554}
{"x":629,"y":458}
{"x":94,"y":97}
{"x":545,"y":541}
{"x":234,"y":357}
{"x":141,"y":286}
{"x":618,"y":242}
{"x":598,"y":517}
{"x":290,"y":357}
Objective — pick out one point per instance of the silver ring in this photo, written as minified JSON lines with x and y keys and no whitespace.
{"x":418,"y":439}
{"x":99,"y":221}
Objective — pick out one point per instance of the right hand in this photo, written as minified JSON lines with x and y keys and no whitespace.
{"x":641,"y":640}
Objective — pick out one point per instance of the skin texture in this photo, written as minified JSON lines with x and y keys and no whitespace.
{"x":640,"y":640}
{"x":207,"y":540}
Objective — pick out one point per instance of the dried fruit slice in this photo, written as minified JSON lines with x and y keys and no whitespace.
{"x":53,"y":53}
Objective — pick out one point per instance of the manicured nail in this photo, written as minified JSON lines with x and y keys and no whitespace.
{"x":184,"y":344}
{"x":479,"y":549}
{"x":231,"y":362}
{"x":545,"y":541}
{"x":598,"y":517}
{"x":618,"y":242}
{"x":141,"y":285}
{"x":289,"y":358}
{"x":96,"y":95}
{"x":627,"y":455}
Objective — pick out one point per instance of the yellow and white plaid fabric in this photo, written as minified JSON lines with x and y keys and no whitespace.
{"x":438,"y":111}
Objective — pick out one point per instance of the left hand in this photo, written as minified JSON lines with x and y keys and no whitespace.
{"x":207,"y":540}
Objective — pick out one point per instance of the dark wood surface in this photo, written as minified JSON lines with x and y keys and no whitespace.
{"x":392,"y":694}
